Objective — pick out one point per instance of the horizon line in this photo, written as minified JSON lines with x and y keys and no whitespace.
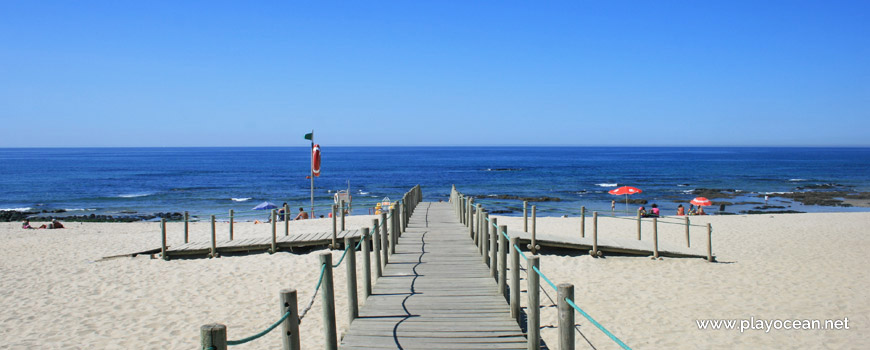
{"x":466,"y":146}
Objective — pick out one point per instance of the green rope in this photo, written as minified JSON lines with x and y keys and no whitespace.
{"x":545,"y":278}
{"x":613,"y":337}
{"x":258,"y":335}
{"x":346,"y":249}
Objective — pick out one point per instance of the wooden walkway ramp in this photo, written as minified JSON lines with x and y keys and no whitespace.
{"x":436,"y":293}
{"x":259,"y":244}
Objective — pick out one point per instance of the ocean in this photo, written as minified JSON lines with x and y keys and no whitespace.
{"x":122,"y":181}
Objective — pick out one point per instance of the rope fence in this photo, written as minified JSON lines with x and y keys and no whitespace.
{"x":213,"y":336}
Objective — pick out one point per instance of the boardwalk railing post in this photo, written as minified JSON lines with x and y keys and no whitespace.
{"x":186,"y":231}
{"x":533,"y":325}
{"x":213,"y":336}
{"x":394,"y":238}
{"x":376,"y":246}
{"x":232,"y":218}
{"x":583,"y":221}
{"x":385,"y":242}
{"x":478,"y":222}
{"x":367,"y":265}
{"x":352,"y":301}
{"x":274,"y":234}
{"x":471,"y":214}
{"x":638,"y":224}
{"x":461,"y":213}
{"x":328,"y":303}
{"x":342,"y":215}
{"x":290,"y":326}
{"x":484,"y":241}
{"x":655,"y":238}
{"x":213,"y":253}
{"x":595,"y":251}
{"x":525,"y":216}
{"x":566,"y":317}
{"x":688,"y":243}
{"x":383,"y":219}
{"x":286,"y":220}
{"x":334,"y":223}
{"x":515,"y":278}
{"x":493,"y":251}
{"x":502,"y":261}
{"x":533,"y":246}
{"x":163,"y":253}
{"x":709,"y":242}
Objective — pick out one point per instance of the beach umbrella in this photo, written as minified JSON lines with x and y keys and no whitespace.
{"x":701,"y":201}
{"x":265,"y":206}
{"x":624,"y":190}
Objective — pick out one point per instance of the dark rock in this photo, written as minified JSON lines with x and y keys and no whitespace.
{"x":772,"y":212}
{"x":12,"y":215}
{"x":501,"y":211}
{"x":765,"y":207}
{"x":712,"y":193}
{"x":819,"y":187}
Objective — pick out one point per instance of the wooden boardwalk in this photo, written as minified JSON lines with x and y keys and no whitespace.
{"x":436,"y":293}
{"x":613,"y":245}
{"x":259,"y":244}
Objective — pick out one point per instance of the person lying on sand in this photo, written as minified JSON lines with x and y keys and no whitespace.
{"x":26,"y":225}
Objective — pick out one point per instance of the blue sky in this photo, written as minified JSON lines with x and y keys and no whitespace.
{"x":215,"y":73}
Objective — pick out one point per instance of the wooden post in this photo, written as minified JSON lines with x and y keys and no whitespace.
{"x":352,"y":301}
{"x":566,"y":317}
{"x":655,"y":238}
{"x":274,"y":234}
{"x":342,"y":215}
{"x":334,"y":223}
{"x":459,"y":207}
{"x":515,"y":278}
{"x":471,"y":214}
{"x":376,"y":246}
{"x":688,"y":243}
{"x":367,"y":265}
{"x":533,"y":246}
{"x":213,"y":336}
{"x":393,"y":237}
{"x":583,"y":221}
{"x":232,"y":218}
{"x":638,"y":224}
{"x":400,"y":209}
{"x":213,"y":239}
{"x":287,"y":220}
{"x":533,"y":325}
{"x":186,"y":231}
{"x":709,"y":242}
{"x":385,"y":243}
{"x":290,"y":326}
{"x":484,"y":241}
{"x":594,"y":233}
{"x":478,"y":222}
{"x":163,"y":253}
{"x":328,"y":303}
{"x":493,"y":252}
{"x":502,"y":261}
{"x":525,"y":216}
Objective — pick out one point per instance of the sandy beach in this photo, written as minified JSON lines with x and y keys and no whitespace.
{"x":57,"y":293}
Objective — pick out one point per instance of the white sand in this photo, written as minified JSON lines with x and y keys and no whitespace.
{"x":54,"y":293}
{"x":788,"y":266}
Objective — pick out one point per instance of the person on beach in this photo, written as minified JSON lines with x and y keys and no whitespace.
{"x":692,"y":210}
{"x":642,"y":211}
{"x":302,"y":215}
{"x":655,"y":210}
{"x":281,"y":212}
{"x":26,"y":225}
{"x":681,"y":211}
{"x":701,"y":211}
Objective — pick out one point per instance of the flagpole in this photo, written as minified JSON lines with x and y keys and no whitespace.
{"x":312,"y":173}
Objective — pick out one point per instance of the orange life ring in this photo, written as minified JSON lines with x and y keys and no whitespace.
{"x":315,"y":160}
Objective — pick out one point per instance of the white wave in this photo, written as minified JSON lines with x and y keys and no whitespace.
{"x":15,"y":209}
{"x":363,"y":193}
{"x":797,"y":180}
{"x":134,"y":195}
{"x":682,"y":185}
{"x":79,"y":209}
{"x":606,"y":185}
{"x":241,"y":199}
{"x":688,"y":191}
{"x":776,"y":192}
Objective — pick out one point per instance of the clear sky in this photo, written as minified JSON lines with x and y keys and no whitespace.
{"x":258,"y":73}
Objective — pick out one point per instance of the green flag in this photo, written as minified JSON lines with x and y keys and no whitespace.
{"x":309,"y":136}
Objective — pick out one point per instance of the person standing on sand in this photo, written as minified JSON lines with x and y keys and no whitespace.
{"x":281,"y":212}
{"x":302,"y":215}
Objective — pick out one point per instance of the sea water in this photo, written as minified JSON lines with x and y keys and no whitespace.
{"x":119,"y":181}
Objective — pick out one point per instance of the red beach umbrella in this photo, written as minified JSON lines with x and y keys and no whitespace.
{"x":701,"y":201}
{"x":626,"y":190}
